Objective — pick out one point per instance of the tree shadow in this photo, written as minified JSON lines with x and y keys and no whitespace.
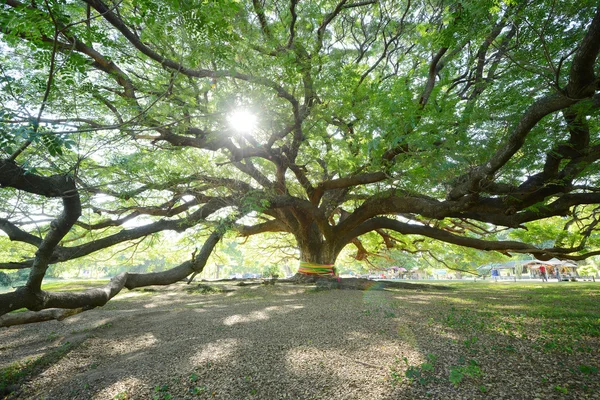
{"x":270,"y":343}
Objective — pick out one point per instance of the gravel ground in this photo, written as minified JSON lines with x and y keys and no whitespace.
{"x":287,"y":342}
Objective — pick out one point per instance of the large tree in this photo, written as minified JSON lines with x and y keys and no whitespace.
{"x":449,"y":120}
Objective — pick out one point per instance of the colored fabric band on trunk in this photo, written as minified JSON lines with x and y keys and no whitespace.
{"x":308,"y":268}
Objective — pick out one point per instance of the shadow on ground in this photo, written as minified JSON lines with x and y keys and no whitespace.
{"x":290,"y":343}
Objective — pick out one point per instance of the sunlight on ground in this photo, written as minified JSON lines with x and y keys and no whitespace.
{"x":508,"y":307}
{"x":129,"y":295}
{"x":76,"y":322}
{"x":373,"y":360}
{"x":407,"y":335}
{"x":219,"y":350}
{"x":118,"y":390}
{"x":458,"y":300}
{"x":259,"y":315}
{"x":240,"y":319}
{"x":198,"y":304}
{"x":354,"y":335}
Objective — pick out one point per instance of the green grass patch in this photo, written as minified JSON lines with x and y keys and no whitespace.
{"x":73,"y":286}
{"x":459,"y":372}
{"x":16,"y":373}
{"x":20,"y":310}
{"x":557,"y":317}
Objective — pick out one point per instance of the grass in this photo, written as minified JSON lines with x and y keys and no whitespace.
{"x":556,"y":318}
{"x":16,"y":373}
{"x":59,"y":285}
{"x":512,"y":321}
{"x":73,"y":285}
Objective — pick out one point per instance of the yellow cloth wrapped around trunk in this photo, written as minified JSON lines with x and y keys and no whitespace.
{"x":308,"y":268}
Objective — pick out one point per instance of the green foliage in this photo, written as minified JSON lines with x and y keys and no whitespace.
{"x":162,"y":393}
{"x":561,"y":389}
{"x":588,"y":270}
{"x":13,"y":137}
{"x":198,"y":390}
{"x":421,"y":374}
{"x":458,"y":373}
{"x":272,"y":271}
{"x":588,"y":369}
{"x":254,"y":201}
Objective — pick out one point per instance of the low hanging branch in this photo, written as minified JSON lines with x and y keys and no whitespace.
{"x":52,"y":305}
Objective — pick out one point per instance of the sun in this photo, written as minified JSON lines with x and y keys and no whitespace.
{"x":242,"y":121}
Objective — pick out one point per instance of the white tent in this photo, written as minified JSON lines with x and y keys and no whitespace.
{"x":553,"y":262}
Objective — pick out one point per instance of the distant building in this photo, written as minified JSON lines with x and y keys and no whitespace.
{"x":530,"y":268}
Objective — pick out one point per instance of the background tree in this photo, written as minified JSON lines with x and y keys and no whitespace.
{"x":449,"y":121}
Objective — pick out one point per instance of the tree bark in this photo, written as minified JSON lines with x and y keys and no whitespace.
{"x":315,"y":252}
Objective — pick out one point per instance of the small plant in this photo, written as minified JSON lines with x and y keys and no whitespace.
{"x":509,"y":349}
{"x":198,"y":390}
{"x":272,"y":271}
{"x":396,"y":376}
{"x":162,"y":393}
{"x":420,"y":374}
{"x":588,"y":370}
{"x":429,"y":365}
{"x":470,"y":342}
{"x":121,"y":396}
{"x":561,"y":389}
{"x":458,"y":373}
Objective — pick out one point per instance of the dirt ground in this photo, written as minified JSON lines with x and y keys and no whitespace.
{"x":289,"y":342}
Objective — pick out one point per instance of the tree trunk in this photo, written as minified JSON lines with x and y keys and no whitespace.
{"x":317,"y":258}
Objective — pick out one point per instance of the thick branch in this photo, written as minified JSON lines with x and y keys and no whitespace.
{"x":269,"y":226}
{"x":355,"y":180}
{"x":444,"y":236}
{"x":64,"y":304}
{"x":16,"y":234}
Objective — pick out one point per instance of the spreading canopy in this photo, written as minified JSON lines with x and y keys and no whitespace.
{"x":450,"y":121}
